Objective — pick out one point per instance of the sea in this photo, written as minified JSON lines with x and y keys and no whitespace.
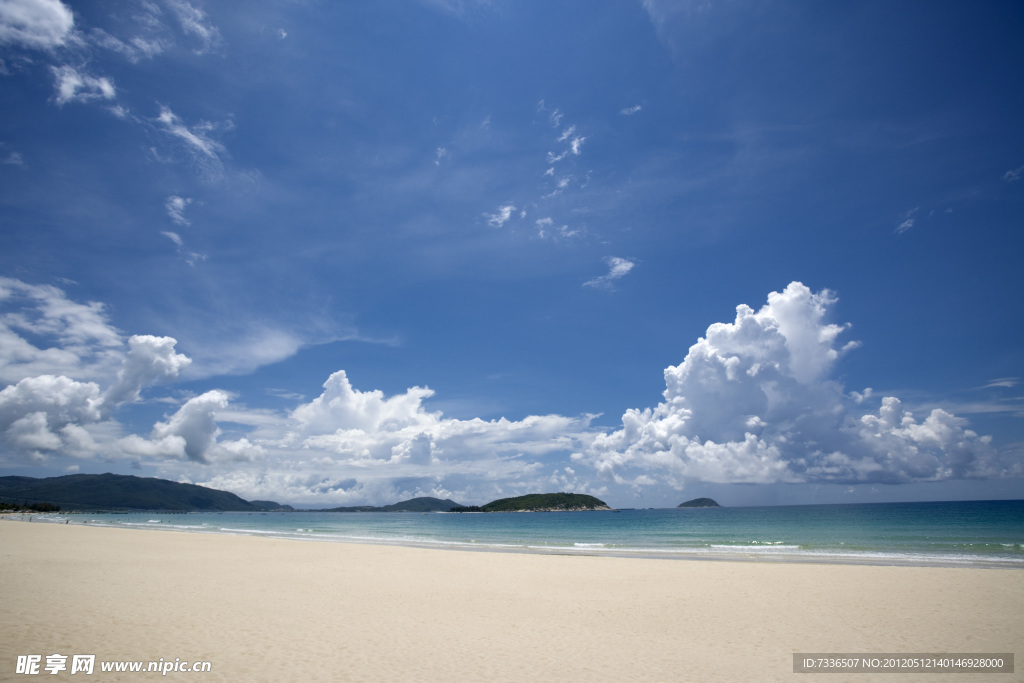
{"x":962,"y":533}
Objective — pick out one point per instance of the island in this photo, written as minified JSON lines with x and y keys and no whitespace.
{"x":539,"y":502}
{"x":422,"y":504}
{"x":699,"y":503}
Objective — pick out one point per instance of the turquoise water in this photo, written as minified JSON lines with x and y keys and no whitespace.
{"x":974,"y":533}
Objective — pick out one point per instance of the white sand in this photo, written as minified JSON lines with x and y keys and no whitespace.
{"x":269,"y":609}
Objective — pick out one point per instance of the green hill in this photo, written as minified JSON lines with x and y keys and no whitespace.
{"x":423,"y":504}
{"x":546,"y":502}
{"x":699,"y":503}
{"x":119,"y":492}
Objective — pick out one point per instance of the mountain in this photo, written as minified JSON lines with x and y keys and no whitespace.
{"x":540,"y":502}
{"x":423,"y":504}
{"x":120,"y":492}
{"x":699,"y":503}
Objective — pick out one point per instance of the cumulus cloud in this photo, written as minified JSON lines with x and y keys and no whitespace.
{"x":73,"y":86}
{"x":38,"y":24}
{"x":367,"y":426}
{"x":754,"y":402}
{"x":617,"y":269}
{"x":193,"y":428}
{"x":53,"y":401}
{"x":149,"y":360}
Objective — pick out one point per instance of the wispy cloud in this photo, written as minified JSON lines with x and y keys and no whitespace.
{"x":194,"y":21}
{"x":908,"y":221}
{"x":197,"y":138}
{"x":501,"y":216}
{"x":73,"y":86}
{"x":191,"y":257}
{"x":617,"y":269}
{"x":456,"y":8}
{"x":175,"y":206}
{"x":173,"y":236}
{"x":546,"y":229}
{"x":629,"y":111}
{"x":134,"y":49}
{"x":13,"y":159}
{"x":1014,"y":175}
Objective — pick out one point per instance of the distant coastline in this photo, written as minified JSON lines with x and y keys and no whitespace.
{"x":539,"y":502}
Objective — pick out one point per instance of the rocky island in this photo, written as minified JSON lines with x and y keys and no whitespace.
{"x":699,"y":503}
{"x":539,"y":502}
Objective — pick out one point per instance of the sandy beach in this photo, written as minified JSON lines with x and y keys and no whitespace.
{"x":270,"y":609}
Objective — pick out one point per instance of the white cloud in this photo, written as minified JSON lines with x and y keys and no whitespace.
{"x":193,"y":427}
{"x":617,"y":269}
{"x":193,"y":21}
{"x":134,"y":50}
{"x":439,"y":154}
{"x":908,"y":221}
{"x":173,"y":236}
{"x":367,"y":428}
{"x":501,"y":216}
{"x":54,"y":399}
{"x":149,"y":360}
{"x":176,"y":209}
{"x":60,"y":399}
{"x":73,"y":86}
{"x":197,"y":138}
{"x":38,"y":24}
{"x":80,"y":343}
{"x":576,"y":145}
{"x":629,"y":111}
{"x":1013,"y":175}
{"x":754,"y":402}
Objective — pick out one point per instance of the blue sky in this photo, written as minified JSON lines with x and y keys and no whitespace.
{"x":344,"y":253}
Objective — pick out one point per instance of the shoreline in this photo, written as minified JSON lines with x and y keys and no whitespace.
{"x":270,"y":609}
{"x":867,"y":558}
